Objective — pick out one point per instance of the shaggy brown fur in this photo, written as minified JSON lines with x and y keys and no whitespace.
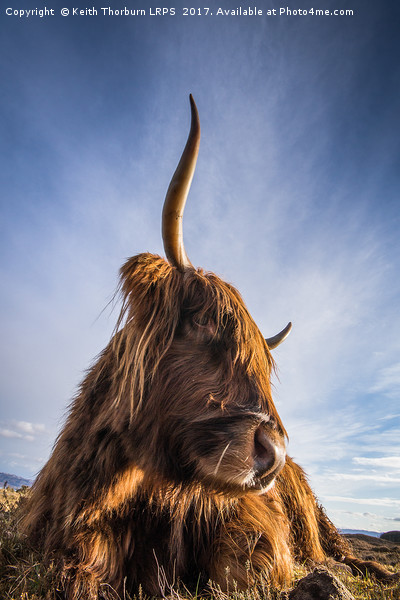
{"x":152,"y":477}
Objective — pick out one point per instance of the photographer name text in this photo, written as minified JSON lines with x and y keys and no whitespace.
{"x":108,"y":11}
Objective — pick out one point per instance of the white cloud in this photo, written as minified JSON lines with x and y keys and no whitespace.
{"x":392,"y":462}
{"x":31,"y":428}
{"x":8,"y":433}
{"x":366,"y":514}
{"x":362,"y":520}
{"x":369,"y":501}
{"x":363,"y":477}
{"x":22,"y":430}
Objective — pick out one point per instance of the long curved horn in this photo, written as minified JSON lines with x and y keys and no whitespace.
{"x":277,"y":339}
{"x":175,"y":199}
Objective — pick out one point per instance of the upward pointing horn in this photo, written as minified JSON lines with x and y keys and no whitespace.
{"x":174,"y":205}
{"x":175,"y":200}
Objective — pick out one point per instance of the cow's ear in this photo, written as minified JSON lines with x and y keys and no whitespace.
{"x":151,"y":292}
{"x":149,"y":286}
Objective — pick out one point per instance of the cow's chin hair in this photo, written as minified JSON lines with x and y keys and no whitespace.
{"x":236,"y":489}
{"x":259,"y":486}
{"x":262,"y":488}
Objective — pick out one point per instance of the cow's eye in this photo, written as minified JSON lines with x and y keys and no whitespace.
{"x":204,"y":325}
{"x":201,"y":321}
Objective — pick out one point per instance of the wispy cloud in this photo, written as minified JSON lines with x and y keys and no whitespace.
{"x":8,"y":433}
{"x":391,"y":502}
{"x":392,"y":462}
{"x":368,"y":515}
{"x":390,"y":417}
{"x":363,"y":477}
{"x":388,"y":381}
{"x":30,"y":428}
{"x":22,"y":430}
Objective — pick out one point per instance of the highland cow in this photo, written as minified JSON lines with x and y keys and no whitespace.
{"x":172,"y":464}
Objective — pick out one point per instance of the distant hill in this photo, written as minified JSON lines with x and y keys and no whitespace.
{"x":13,"y":481}
{"x":392,"y":536}
{"x":361,"y":531}
{"x":368,"y":547}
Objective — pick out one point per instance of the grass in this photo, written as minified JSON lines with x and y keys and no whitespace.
{"x":24,"y":577}
{"x":366,"y":588}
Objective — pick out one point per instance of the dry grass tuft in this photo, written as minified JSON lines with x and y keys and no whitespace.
{"x":22,"y":574}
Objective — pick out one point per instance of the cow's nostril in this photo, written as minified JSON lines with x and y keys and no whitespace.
{"x":269,"y":454}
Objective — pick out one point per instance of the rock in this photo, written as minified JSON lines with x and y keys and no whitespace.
{"x":337,"y":568}
{"x":320,"y":585}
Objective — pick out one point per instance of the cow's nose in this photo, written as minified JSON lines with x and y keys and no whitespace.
{"x":269,"y":452}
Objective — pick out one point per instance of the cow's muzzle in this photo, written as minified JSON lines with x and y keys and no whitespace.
{"x":269,"y":454}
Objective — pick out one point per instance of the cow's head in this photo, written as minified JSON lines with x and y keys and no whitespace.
{"x":193,"y":366}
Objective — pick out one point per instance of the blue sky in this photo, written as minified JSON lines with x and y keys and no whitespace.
{"x":295,"y":200}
